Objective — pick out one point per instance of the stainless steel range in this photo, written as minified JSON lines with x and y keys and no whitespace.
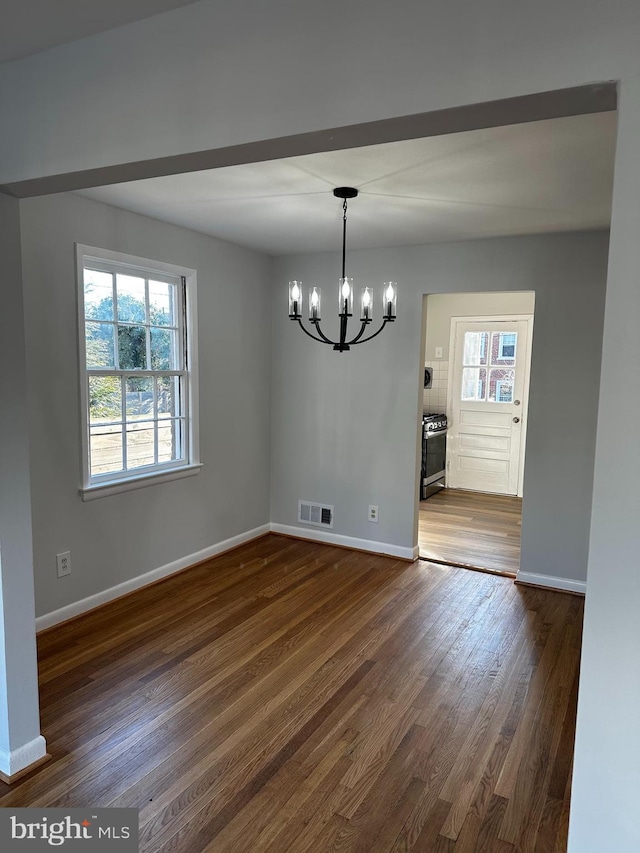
{"x":434,"y":454}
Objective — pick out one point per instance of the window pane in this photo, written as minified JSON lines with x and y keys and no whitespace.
{"x":139,"y":398}
{"x":99,"y":344}
{"x":162,"y":303}
{"x":140,"y":444}
{"x":168,"y":396}
{"x":98,"y":295}
{"x":475,"y":347}
{"x":503,"y":348}
{"x":501,"y":386}
{"x":105,"y":399}
{"x":105,"y":449}
{"x":163,"y":349}
{"x":474,"y":381}
{"x":170,"y":442}
{"x":131,"y":299}
{"x":132,"y":347}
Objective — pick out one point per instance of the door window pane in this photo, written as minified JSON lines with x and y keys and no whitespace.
{"x":501,"y":385}
{"x":474,"y":382}
{"x":475,"y":348}
{"x":503,"y":348}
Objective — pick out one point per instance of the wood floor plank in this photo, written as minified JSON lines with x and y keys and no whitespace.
{"x":291,"y":696}
{"x":472,"y":529}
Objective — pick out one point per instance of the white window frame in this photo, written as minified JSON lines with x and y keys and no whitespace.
{"x":103,"y":485}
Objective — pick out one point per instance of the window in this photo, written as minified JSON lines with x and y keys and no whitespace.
{"x":488,"y":369}
{"x":138,"y":381}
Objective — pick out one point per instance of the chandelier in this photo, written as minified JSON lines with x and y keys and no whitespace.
{"x":345,"y":298}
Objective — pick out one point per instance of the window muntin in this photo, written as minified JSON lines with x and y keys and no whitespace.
{"x":137,"y":381}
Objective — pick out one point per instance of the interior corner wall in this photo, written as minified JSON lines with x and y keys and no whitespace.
{"x":344,"y":425}
{"x":117,"y":538}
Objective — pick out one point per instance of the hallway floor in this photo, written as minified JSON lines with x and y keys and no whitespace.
{"x":471,"y":529}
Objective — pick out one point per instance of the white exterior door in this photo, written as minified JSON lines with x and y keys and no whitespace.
{"x":487,"y":404}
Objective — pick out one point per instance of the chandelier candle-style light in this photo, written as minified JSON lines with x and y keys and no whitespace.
{"x":345,"y":297}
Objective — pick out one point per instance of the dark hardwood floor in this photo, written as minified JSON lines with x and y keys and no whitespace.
{"x":472,"y":529}
{"x":289,"y":696}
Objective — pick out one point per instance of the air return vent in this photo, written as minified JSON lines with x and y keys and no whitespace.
{"x":320,"y":515}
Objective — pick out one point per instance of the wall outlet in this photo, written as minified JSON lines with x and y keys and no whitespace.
{"x":63,"y":562}
{"x":373,"y":513}
{"x":438,"y":352}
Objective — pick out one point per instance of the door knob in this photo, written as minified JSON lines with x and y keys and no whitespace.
{"x":516,"y":420}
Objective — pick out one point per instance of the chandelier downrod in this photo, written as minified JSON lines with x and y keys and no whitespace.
{"x":345,"y":294}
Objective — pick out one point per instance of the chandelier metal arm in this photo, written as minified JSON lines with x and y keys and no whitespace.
{"x":360,"y":333}
{"x":323,"y":339}
{"x":357,"y":339}
{"x":326,"y":340}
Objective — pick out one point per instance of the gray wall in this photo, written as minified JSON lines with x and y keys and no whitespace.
{"x":344,"y":425}
{"x":115,"y":538}
{"x":442,"y":307}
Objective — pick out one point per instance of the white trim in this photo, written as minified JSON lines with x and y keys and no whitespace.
{"x":552,"y":582}
{"x":93,"y":601}
{"x":139,"y":482}
{"x":76,"y":608}
{"x":348,"y":541}
{"x":22,"y":757}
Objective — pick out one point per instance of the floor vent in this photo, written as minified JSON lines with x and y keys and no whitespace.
{"x":319,"y":515}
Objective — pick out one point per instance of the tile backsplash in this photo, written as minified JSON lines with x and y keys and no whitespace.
{"x":435,"y":398}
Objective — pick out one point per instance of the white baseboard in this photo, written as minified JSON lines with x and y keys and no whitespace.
{"x":552,"y":582}
{"x":13,"y":762}
{"x":93,"y":601}
{"x":347,"y":541}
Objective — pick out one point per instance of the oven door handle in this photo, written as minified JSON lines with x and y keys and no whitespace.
{"x":434,"y":433}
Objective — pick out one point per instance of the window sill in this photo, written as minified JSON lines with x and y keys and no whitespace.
{"x":115,"y":487}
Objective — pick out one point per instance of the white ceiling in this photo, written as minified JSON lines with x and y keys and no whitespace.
{"x":530,"y":178}
{"x":29,"y":26}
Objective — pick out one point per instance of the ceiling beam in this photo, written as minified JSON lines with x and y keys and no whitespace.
{"x":560,"y":103}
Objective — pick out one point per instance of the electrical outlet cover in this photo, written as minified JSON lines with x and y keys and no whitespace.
{"x":63,"y":564}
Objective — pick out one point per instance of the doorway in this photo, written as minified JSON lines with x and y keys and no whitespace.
{"x":478,"y":356}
